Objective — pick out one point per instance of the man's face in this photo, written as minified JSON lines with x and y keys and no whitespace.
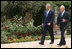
{"x":47,"y":7}
{"x":61,"y":9}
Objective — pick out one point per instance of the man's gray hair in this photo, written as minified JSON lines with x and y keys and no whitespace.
{"x":62,"y":6}
{"x":48,"y":5}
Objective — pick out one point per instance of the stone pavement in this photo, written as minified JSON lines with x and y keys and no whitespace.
{"x":34,"y":44}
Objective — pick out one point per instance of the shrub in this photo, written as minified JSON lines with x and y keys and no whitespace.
{"x":69,"y":28}
{"x":14,"y":29}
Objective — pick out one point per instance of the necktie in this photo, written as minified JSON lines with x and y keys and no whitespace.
{"x":61,"y":14}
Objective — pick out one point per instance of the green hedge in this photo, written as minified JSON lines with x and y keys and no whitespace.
{"x":14,"y":28}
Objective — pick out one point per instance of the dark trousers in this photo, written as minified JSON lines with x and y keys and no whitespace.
{"x":62,"y":29}
{"x":50,"y":30}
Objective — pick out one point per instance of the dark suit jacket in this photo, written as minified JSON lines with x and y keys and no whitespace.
{"x":65,"y":16}
{"x":49,"y":18}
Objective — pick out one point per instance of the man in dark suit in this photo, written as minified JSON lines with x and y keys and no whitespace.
{"x":62,"y":20}
{"x":48,"y":24}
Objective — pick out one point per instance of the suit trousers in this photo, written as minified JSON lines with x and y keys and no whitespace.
{"x":62,"y":29}
{"x":50,"y":30}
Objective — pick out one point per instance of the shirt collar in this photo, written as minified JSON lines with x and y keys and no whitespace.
{"x":48,"y":10}
{"x":63,"y":11}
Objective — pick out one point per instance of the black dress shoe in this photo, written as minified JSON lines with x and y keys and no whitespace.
{"x":60,"y":44}
{"x":51,"y":42}
{"x":41,"y":43}
{"x":64,"y":44}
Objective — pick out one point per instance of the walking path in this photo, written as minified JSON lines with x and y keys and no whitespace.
{"x":34,"y":44}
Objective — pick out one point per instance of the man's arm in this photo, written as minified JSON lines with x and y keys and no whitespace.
{"x":58,"y":20}
{"x":53,"y":15}
{"x":43,"y":18}
{"x":67,"y":17}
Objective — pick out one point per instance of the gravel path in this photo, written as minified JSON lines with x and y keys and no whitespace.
{"x":34,"y":44}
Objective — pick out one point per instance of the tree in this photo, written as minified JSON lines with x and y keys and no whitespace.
{"x":35,"y":8}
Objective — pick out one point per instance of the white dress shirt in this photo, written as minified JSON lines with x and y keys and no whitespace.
{"x":62,"y":13}
{"x":47,"y":12}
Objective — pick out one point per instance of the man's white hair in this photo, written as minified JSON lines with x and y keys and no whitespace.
{"x":62,"y":6}
{"x":48,"y":5}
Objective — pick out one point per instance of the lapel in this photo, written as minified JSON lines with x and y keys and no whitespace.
{"x":63,"y":15}
{"x":48,"y":13}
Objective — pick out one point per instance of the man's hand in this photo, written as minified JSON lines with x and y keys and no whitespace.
{"x":64,"y":20}
{"x":56,"y":26}
{"x":42,"y":24}
{"x":49,"y":24}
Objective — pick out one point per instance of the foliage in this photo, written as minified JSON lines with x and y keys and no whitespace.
{"x":36,"y":8}
{"x":69,"y":28}
{"x":14,"y":29}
